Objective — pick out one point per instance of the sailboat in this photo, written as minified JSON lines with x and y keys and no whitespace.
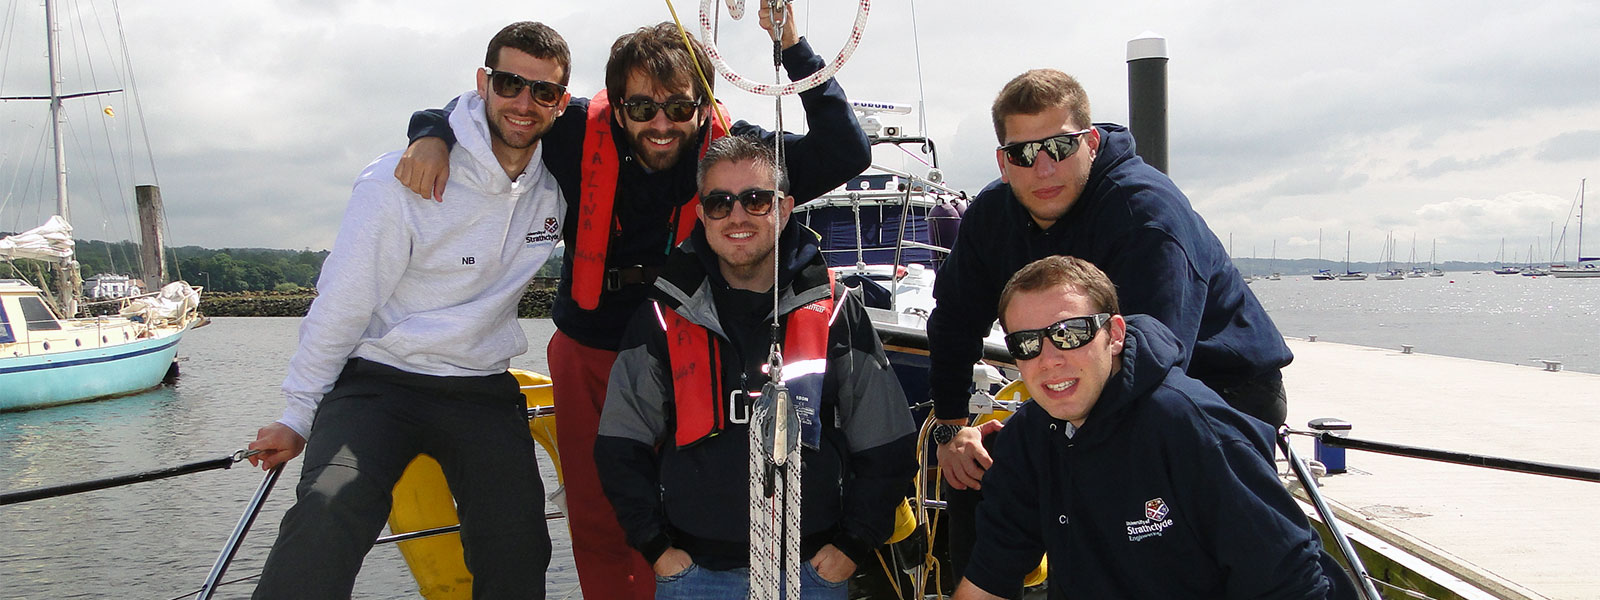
{"x":1275,"y":276}
{"x":1433,"y":270}
{"x":1504,"y":268}
{"x":1321,"y":274}
{"x":48,"y":354}
{"x":1588,"y":266}
{"x":1348,"y":274}
{"x":1415,"y":271}
{"x":1389,"y":273}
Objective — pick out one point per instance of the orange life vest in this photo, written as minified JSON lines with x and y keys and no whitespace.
{"x":697,"y":390}
{"x":599,"y":191}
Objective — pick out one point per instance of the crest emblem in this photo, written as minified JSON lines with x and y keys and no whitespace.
{"x":1156,"y":509}
{"x":550,"y":225}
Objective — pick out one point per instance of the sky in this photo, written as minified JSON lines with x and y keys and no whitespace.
{"x":1456,"y":123}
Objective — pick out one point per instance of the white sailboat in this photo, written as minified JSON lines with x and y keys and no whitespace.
{"x":48,"y":355}
{"x":1587,"y":266}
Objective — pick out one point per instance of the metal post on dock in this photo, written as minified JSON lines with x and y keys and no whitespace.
{"x":1147,"y":97}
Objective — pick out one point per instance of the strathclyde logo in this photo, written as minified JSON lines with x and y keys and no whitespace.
{"x":1156,"y":520}
{"x":552,"y":232}
{"x":1155,"y":510}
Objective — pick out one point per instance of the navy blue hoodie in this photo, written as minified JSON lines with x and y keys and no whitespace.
{"x":1163,"y":493}
{"x":1133,"y":223}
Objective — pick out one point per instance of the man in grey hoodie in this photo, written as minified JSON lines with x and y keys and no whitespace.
{"x":405,"y":350}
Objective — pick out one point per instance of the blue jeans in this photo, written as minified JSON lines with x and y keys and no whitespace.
{"x":696,"y":583}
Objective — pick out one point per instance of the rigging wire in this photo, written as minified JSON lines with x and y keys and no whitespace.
{"x":922,"y":96}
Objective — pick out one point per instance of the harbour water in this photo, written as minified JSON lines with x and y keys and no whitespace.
{"x":158,"y":539}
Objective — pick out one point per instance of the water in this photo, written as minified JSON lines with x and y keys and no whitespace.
{"x":1500,"y":318}
{"x":158,"y":539}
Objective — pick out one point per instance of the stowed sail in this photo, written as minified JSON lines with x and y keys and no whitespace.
{"x":51,"y":241}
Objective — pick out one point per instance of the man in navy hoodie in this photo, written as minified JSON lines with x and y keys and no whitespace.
{"x":1134,"y":478}
{"x":1068,"y":187}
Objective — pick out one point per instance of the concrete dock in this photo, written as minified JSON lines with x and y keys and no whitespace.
{"x":1529,"y":535}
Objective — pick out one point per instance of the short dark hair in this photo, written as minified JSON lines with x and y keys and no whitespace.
{"x":738,"y":148}
{"x":658,"y":52}
{"x":1036,"y":91}
{"x":1053,"y":271}
{"x":538,"y":40}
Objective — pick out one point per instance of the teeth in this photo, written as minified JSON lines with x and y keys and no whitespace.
{"x":740,"y":236}
{"x":519,"y":122}
{"x":1058,"y":387}
{"x":659,"y":141}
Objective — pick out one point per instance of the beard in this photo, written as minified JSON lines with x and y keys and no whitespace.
{"x":657,"y":158}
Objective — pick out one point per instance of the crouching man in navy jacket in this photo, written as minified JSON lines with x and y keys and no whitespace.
{"x":673,"y":446}
{"x":1135,"y":479}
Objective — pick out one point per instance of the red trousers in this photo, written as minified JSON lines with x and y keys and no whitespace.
{"x":608,"y":568}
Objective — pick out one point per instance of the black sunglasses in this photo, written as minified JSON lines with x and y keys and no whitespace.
{"x":509,"y":85}
{"x":757,"y":202}
{"x":643,"y":109}
{"x":1059,"y":147}
{"x":1066,"y":334}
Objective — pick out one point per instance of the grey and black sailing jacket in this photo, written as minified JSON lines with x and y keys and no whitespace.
{"x":696,"y":497}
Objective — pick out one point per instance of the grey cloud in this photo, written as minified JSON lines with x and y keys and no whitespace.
{"x":1302,"y":182}
{"x":1451,"y":164}
{"x":1572,"y":145}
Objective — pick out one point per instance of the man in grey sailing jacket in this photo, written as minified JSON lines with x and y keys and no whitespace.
{"x":673,"y":447}
{"x":1133,"y":477}
{"x":406,"y":348}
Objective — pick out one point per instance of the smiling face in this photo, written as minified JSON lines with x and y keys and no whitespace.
{"x":1049,"y":188}
{"x":744,"y":243}
{"x":516,"y":124}
{"x":660,"y":142}
{"x":1066,"y":383}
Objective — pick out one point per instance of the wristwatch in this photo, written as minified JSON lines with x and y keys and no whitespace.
{"x":944,"y":432}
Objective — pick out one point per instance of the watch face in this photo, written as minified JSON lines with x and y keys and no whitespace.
{"x":942,"y":433}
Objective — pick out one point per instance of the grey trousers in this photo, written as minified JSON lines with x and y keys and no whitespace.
{"x":367,"y":429}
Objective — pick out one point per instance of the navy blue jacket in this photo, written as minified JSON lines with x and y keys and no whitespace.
{"x":1163,"y":493}
{"x":1133,"y":223}
{"x":647,"y":204}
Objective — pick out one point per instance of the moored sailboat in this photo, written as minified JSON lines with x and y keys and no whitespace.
{"x":48,"y":355}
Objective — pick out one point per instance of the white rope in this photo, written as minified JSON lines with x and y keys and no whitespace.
{"x":736,"y":10}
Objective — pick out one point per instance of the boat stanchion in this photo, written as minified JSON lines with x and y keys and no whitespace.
{"x":1329,"y":455}
{"x":1363,"y":581}
{"x":239,"y":531}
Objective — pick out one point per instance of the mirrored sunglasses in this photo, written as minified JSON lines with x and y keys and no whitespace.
{"x":641,"y":110}
{"x":1059,"y":147}
{"x":757,"y":202}
{"x":510,"y":85}
{"x":1066,"y":334}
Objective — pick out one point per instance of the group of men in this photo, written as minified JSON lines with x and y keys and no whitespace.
{"x":678,"y":241}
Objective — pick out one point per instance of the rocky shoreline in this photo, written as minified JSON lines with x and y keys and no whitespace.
{"x":535,"y":303}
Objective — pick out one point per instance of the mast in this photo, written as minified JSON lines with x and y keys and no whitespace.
{"x":68,"y":280}
{"x":57,"y":119}
{"x":1581,"y":183}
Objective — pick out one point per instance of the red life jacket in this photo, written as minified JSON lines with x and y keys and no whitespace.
{"x":599,"y":191}
{"x":697,"y":391}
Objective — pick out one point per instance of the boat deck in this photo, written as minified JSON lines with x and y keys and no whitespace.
{"x":1529,"y":535}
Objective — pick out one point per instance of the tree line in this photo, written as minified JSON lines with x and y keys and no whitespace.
{"x":218,"y":270}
